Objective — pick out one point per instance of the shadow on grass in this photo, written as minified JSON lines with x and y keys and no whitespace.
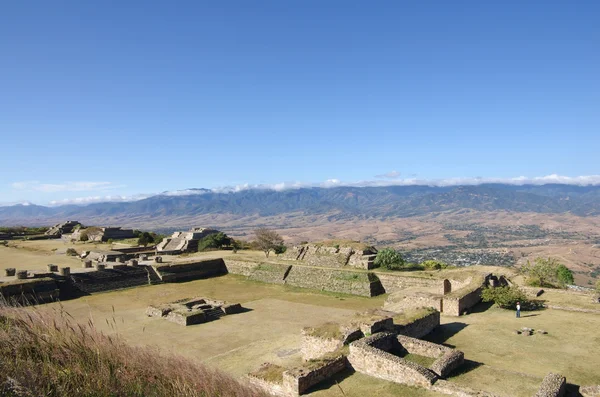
{"x":444,"y":332}
{"x":572,"y":390}
{"x":481,"y":307}
{"x":529,"y":315}
{"x":332,"y":382}
{"x":468,"y":366}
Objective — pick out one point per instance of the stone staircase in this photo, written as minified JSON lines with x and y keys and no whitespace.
{"x":214,"y":314}
{"x":153,"y":276}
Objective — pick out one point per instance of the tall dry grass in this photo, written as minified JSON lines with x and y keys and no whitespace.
{"x":46,"y":353}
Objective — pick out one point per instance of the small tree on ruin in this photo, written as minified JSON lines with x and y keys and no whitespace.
{"x":267,"y":240}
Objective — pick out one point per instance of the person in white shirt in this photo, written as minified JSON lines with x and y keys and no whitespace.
{"x":518,"y":310}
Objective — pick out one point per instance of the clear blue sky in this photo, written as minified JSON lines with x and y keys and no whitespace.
{"x":124,"y":97}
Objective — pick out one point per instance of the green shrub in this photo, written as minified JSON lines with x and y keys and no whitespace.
{"x":389,"y":259}
{"x":280,"y":249}
{"x":504,"y":297}
{"x":564,"y":275}
{"x":434,"y":265}
{"x":214,"y":241}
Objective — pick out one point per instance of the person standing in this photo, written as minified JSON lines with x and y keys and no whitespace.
{"x":518,"y":310}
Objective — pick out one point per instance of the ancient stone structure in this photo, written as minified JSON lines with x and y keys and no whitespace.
{"x":105,"y":256}
{"x":52,"y":268}
{"x":10,"y":271}
{"x":62,"y":228}
{"x":416,"y":323}
{"x":21,"y":274}
{"x":402,"y":300}
{"x":334,"y":254}
{"x":28,"y":291}
{"x":334,"y":280}
{"x":102,"y":234}
{"x":371,"y":356}
{"x":553,"y":385}
{"x":181,"y":242}
{"x":193,"y":311}
{"x":176,"y":272}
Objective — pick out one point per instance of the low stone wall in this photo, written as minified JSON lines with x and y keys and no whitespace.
{"x":455,"y":304}
{"x":240,"y":267}
{"x":109,"y":279}
{"x":447,"y":363}
{"x":369,"y":356}
{"x":422,"y":347}
{"x":299,"y":380}
{"x":394,"y":282}
{"x":553,"y":385}
{"x":314,"y":347}
{"x":270,"y":273}
{"x":347,"y":282}
{"x":420,"y":326}
{"x":185,"y":319}
{"x":398,"y":301}
{"x":176,"y":272}
{"x":30,"y":291}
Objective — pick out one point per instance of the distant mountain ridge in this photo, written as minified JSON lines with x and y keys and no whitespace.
{"x":344,"y":202}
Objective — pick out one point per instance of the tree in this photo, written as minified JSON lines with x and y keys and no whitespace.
{"x":564,"y":275}
{"x":543,"y":271}
{"x":389,"y":259}
{"x":145,"y":238}
{"x":214,"y":241}
{"x":267,"y":240}
{"x":504,"y":297}
{"x":280,"y":249}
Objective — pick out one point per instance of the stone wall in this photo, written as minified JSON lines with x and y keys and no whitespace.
{"x":455,"y":304}
{"x":422,"y":347}
{"x":346,"y":282}
{"x":335,"y":255}
{"x":447,"y":363}
{"x":175,"y":272}
{"x":270,"y":273}
{"x":399,"y":301}
{"x":393,"y":282}
{"x":553,"y":385}
{"x":420,"y":326}
{"x":369,"y":356}
{"x":241,"y":267}
{"x":30,"y":291}
{"x":314,"y":347}
{"x":109,"y":279}
{"x":299,"y":380}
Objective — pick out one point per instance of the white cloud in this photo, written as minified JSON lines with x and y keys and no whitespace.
{"x":389,"y":175}
{"x":98,"y":199}
{"x":77,"y":186}
{"x":586,"y":180}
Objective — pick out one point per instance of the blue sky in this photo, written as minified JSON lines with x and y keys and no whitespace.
{"x":119,"y":98}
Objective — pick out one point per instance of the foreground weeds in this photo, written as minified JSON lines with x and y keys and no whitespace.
{"x":49,"y":354}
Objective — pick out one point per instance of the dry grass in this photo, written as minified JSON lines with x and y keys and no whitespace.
{"x":328,"y":330}
{"x":269,"y":372}
{"x":51,"y":355}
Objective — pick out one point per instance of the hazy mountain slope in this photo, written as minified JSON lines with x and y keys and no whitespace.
{"x":345,"y":202}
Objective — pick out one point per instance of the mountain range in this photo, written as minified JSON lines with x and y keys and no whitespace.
{"x":339,"y":202}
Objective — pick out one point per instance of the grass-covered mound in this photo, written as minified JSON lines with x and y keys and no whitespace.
{"x":46,"y":354}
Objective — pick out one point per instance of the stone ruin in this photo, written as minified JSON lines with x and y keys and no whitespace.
{"x":334,"y":254}
{"x":367,"y":344}
{"x":102,"y":234}
{"x":181,"y":242}
{"x":61,"y":228}
{"x":193,"y":311}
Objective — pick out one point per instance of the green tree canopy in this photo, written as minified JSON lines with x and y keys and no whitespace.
{"x":390,"y":259}
{"x":214,"y":241}
{"x":547,"y":272}
{"x":504,"y":297}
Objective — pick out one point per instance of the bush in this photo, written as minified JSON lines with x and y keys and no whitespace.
{"x":280,"y":249}
{"x":434,"y":265}
{"x":214,"y":241}
{"x":71,"y":252}
{"x":504,"y":297}
{"x":564,"y":275}
{"x":389,"y":259}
